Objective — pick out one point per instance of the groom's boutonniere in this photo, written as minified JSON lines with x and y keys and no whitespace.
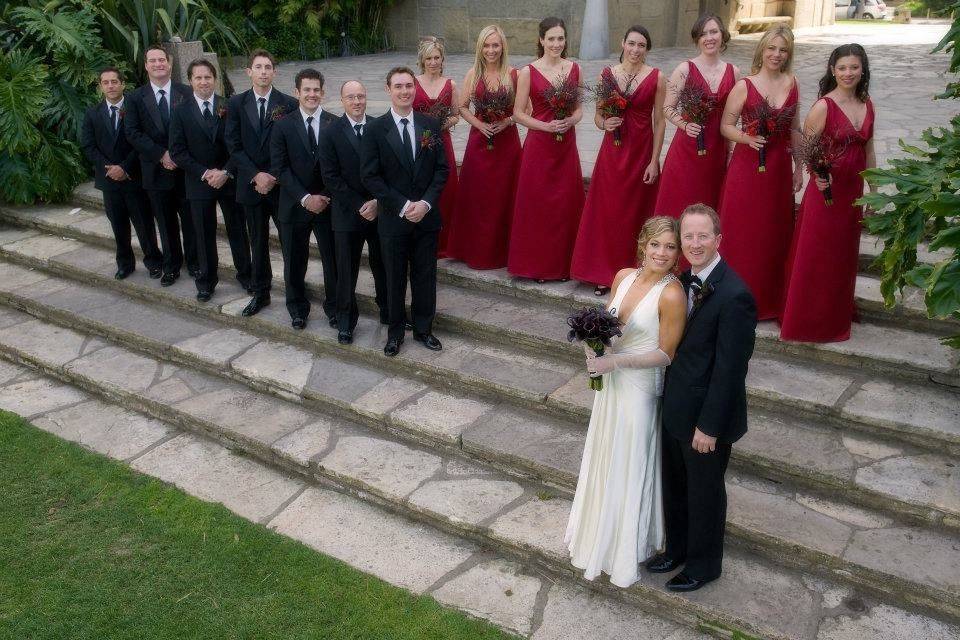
{"x":428,"y":140}
{"x":702,"y":295}
{"x":222,"y":111}
{"x":277,"y":113}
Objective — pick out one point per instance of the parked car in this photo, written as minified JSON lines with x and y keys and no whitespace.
{"x":872,"y":9}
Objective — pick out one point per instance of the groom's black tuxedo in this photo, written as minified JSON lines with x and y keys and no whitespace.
{"x":705,"y":388}
{"x":394,"y":177}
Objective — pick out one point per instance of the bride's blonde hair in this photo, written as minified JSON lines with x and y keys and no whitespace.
{"x":654,"y":227}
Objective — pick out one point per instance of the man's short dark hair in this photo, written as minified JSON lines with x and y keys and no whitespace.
{"x":397,"y":71}
{"x":260,"y":53}
{"x":110,"y":70}
{"x":307,"y":74}
{"x":700,"y":209}
{"x":156,"y":47}
{"x":200,"y":62}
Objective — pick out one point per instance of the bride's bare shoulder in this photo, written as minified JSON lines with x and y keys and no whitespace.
{"x":623,"y":273}
{"x":673,"y":294}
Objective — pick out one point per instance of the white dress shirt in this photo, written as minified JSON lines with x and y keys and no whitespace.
{"x":166,"y":93}
{"x":703,"y":274}
{"x":413,"y":145}
{"x":200,"y":102}
{"x":362,"y":123}
{"x":118,"y":105}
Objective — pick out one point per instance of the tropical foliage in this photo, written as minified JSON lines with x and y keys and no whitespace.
{"x":918,"y":201}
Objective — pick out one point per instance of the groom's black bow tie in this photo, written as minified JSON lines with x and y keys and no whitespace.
{"x":688,"y":280}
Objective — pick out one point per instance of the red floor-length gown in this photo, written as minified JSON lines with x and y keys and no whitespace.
{"x":618,"y":202}
{"x":448,"y":199}
{"x":488,"y":183}
{"x":550,"y":197}
{"x":822,"y":270}
{"x":688,"y":178}
{"x":756,"y":210}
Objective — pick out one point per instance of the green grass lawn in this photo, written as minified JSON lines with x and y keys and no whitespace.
{"x":90,"y":549}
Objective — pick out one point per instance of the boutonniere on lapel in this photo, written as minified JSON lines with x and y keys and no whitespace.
{"x":122,"y":113}
{"x":277,"y":113}
{"x":429,"y":140}
{"x":701,"y":296}
{"x":222,"y":110}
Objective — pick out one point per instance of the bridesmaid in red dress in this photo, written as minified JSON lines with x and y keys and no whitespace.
{"x":433,"y":87}
{"x":623,"y":188}
{"x":689,"y":178}
{"x":488,"y":177}
{"x":822,"y":269}
{"x":550,"y":184}
{"x":756,"y":210}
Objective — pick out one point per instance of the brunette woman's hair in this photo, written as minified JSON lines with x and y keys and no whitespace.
{"x":545,"y":25}
{"x":697,"y":31}
{"x":642,"y":30}
{"x":828,"y":82}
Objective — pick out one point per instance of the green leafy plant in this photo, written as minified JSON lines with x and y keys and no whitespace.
{"x":918,"y":200}
{"x":360,"y":22}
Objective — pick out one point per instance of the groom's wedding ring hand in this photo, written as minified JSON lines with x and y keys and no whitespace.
{"x":702,"y":443}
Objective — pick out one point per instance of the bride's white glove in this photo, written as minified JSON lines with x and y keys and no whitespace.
{"x":611,"y":361}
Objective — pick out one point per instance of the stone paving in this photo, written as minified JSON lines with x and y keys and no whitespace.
{"x":904,"y":79}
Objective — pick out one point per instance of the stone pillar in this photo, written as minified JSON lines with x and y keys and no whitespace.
{"x":183,"y":53}
{"x":594,"y":42}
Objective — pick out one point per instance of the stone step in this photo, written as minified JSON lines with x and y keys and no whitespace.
{"x":513,"y":595}
{"x":905,"y":565}
{"x":923,"y":414}
{"x":466,"y":306}
{"x":922,"y":487}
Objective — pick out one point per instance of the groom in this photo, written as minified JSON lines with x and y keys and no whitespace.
{"x":704,"y":405}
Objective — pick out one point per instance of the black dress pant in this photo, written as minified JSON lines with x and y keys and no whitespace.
{"x":235,"y":220}
{"x":295,"y":245}
{"x":131,"y":207}
{"x":418,"y":250}
{"x":695,"y":505}
{"x":204,"y":213}
{"x":349,"y":248}
{"x":172,"y":211}
{"x":258,"y":223}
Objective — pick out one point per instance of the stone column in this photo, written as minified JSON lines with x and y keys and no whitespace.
{"x":594,"y":38}
{"x":183,"y":53}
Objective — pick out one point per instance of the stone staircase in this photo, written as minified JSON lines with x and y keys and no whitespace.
{"x":844,"y":518}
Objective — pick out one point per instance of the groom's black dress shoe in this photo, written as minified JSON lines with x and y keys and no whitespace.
{"x":428,"y":340}
{"x":345,"y":337}
{"x":683,"y":583}
{"x":662,"y":564}
{"x":122,"y":274}
{"x":298,"y":323}
{"x":392,"y":347}
{"x":255,"y":305}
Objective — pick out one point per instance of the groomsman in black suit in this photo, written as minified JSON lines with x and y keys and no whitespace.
{"x":251,"y":117}
{"x":304,"y":199}
{"x":147,"y":126}
{"x":117,"y":176}
{"x":704,"y":405}
{"x":197,"y":144}
{"x":354,"y":208}
{"x":405,"y":170}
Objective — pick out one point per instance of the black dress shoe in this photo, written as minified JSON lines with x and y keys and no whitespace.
{"x":393,"y":346}
{"x":662,"y":563}
{"x":121,"y":274}
{"x":168,"y":279}
{"x":298,"y":323}
{"x":156,"y":273}
{"x":333,"y":321}
{"x":683,"y":583}
{"x":204,"y":296}
{"x":428,"y":340}
{"x":408,"y":326}
{"x":345,"y":337}
{"x":254,"y":306}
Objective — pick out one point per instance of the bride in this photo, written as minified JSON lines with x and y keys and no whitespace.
{"x":616,"y":521}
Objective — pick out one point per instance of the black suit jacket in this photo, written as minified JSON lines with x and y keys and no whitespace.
{"x":705,"y":385}
{"x":342,"y":167}
{"x":391,"y":179}
{"x":196,"y":146}
{"x":144,"y":129}
{"x":249,"y":146}
{"x":297,"y":169}
{"x":102,"y":146}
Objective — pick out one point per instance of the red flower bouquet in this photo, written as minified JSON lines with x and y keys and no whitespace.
{"x":493,"y":106}
{"x":764,"y":120}
{"x":695,"y":104}
{"x":563,"y":96}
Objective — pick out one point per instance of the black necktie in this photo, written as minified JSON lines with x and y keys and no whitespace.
{"x":310,"y":136}
{"x":407,"y":145}
{"x":359,"y":129}
{"x":164,"y":108}
{"x":207,"y":114}
{"x":113,"y":117}
{"x":263,"y":110}
{"x":695,"y":286}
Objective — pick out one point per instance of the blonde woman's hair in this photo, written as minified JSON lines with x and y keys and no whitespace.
{"x":782,"y":31}
{"x":429,"y":44}
{"x":503,"y":71}
{"x":654,"y":227}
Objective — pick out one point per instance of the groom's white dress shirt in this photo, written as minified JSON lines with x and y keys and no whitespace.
{"x":703,"y":275}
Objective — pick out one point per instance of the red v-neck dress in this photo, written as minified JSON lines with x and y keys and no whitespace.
{"x":448,"y":199}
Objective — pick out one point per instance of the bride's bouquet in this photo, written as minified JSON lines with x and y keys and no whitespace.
{"x":595,"y":326}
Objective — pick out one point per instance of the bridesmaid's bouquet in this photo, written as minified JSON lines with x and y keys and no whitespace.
{"x":611,"y":103}
{"x":819,"y":153}
{"x":596,"y":326}
{"x":562,"y":96}
{"x":764,"y":120}
{"x":493,"y":106}
{"x":695,"y":104}
{"x":441,"y":111}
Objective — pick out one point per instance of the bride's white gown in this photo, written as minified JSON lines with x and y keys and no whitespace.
{"x":616,"y":521}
